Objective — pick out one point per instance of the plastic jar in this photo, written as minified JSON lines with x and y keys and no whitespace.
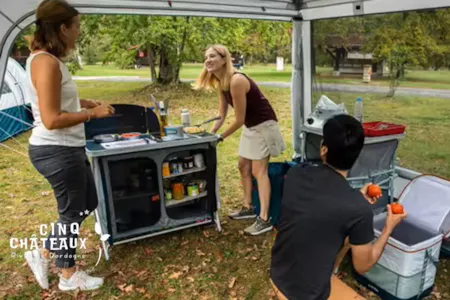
{"x":185,"y":118}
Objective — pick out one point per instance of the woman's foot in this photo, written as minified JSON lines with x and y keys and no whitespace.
{"x":260,"y":226}
{"x":80,"y":280}
{"x":243,"y":213}
{"x":39,"y":266}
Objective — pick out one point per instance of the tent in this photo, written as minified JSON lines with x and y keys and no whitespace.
{"x":15,"y":113}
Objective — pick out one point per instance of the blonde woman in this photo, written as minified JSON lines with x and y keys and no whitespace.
{"x":261,"y":137}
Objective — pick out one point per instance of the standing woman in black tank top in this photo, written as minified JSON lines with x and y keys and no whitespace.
{"x":261,"y":137}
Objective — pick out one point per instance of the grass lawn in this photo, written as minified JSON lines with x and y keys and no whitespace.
{"x":268,"y":73}
{"x":196,"y":263}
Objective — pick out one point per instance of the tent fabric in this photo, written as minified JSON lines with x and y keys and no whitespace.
{"x":14,"y":102}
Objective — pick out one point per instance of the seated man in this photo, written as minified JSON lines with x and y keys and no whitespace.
{"x":319,"y":210}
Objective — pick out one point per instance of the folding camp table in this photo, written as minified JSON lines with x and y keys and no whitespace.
{"x":132,"y":187}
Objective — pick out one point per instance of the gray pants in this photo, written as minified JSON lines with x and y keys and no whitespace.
{"x":68,"y":171}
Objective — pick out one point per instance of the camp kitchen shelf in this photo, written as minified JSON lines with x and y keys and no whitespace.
{"x":190,"y":171}
{"x":130,"y":185}
{"x":170,"y":203}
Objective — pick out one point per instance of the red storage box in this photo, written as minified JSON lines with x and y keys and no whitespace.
{"x":372,"y":129}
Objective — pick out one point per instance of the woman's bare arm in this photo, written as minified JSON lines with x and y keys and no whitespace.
{"x":223,"y":111}
{"x":46,"y":78}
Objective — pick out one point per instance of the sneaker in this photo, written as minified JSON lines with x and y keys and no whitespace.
{"x":80,"y":280}
{"x":243,"y":213}
{"x":259,"y":227}
{"x":39,"y":266}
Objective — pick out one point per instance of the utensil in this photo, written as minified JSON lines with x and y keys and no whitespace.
{"x":208,"y":121}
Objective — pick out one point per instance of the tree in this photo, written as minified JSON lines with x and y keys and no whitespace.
{"x":399,"y":40}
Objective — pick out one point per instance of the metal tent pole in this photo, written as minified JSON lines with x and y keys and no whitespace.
{"x":301,"y":80}
{"x":296,"y":85}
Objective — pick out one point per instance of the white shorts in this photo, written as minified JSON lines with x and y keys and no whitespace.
{"x":261,"y":141}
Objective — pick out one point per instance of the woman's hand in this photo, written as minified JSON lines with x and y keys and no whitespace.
{"x":88,"y":103}
{"x":101,"y":111}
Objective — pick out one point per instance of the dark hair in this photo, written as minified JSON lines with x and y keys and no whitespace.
{"x":50,"y":15}
{"x":344,"y":137}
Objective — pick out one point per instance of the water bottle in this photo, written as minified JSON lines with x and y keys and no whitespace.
{"x":185,"y":118}
{"x":359,"y":110}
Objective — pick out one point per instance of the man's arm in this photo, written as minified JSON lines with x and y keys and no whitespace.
{"x":365,"y":256}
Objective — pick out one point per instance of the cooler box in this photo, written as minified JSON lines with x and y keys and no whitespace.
{"x":277,"y":172}
{"x":407,"y":267}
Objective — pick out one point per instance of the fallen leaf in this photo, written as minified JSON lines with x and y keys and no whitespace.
{"x":241,"y":232}
{"x":171,"y":290}
{"x":141,"y":275}
{"x":184,"y":243}
{"x":233,"y":294}
{"x":190,"y":279}
{"x":232,"y":282}
{"x":206,"y":234}
{"x":148,"y":251}
{"x":29,"y":212}
{"x":159,"y":258}
{"x":200,"y":253}
{"x":141,"y":290}
{"x":175,"y":275}
{"x":437,"y":295}
{"x":186,"y":269}
{"x":214,"y":269}
{"x":129,"y":288}
{"x":45,"y":193}
{"x":254,"y":258}
{"x":122,"y":287}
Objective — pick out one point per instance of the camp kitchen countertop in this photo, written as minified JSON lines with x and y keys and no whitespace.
{"x":94,"y":149}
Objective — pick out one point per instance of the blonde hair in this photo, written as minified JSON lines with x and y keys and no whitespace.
{"x":209,"y":81}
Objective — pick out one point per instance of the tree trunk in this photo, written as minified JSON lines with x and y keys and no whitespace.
{"x":151,"y":59}
{"x":166,"y":68}
{"x":180,"y":54}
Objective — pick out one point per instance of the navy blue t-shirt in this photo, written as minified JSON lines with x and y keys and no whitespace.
{"x":319,"y":210}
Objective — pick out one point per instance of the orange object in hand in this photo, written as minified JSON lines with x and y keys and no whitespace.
{"x":397,"y":208}
{"x":373,"y":191}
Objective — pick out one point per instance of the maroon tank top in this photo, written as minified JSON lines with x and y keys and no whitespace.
{"x":258,"y":109}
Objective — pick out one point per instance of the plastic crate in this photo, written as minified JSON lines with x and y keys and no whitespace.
{"x":372,"y":129}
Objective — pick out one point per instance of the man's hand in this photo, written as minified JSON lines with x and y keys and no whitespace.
{"x":392,"y":220}
{"x":369,"y":199}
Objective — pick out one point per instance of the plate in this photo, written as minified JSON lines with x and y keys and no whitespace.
{"x":130,"y":135}
{"x":194,"y":130}
{"x":105,"y":138}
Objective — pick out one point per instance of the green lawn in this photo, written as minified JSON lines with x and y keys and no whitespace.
{"x":196,"y":263}
{"x":268,"y":73}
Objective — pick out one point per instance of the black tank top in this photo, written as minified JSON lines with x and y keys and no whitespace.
{"x":258,"y":109}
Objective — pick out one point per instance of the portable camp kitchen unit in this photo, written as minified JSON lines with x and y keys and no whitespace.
{"x":407,"y":267}
{"x":131,"y":187}
{"x":375,"y":164}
